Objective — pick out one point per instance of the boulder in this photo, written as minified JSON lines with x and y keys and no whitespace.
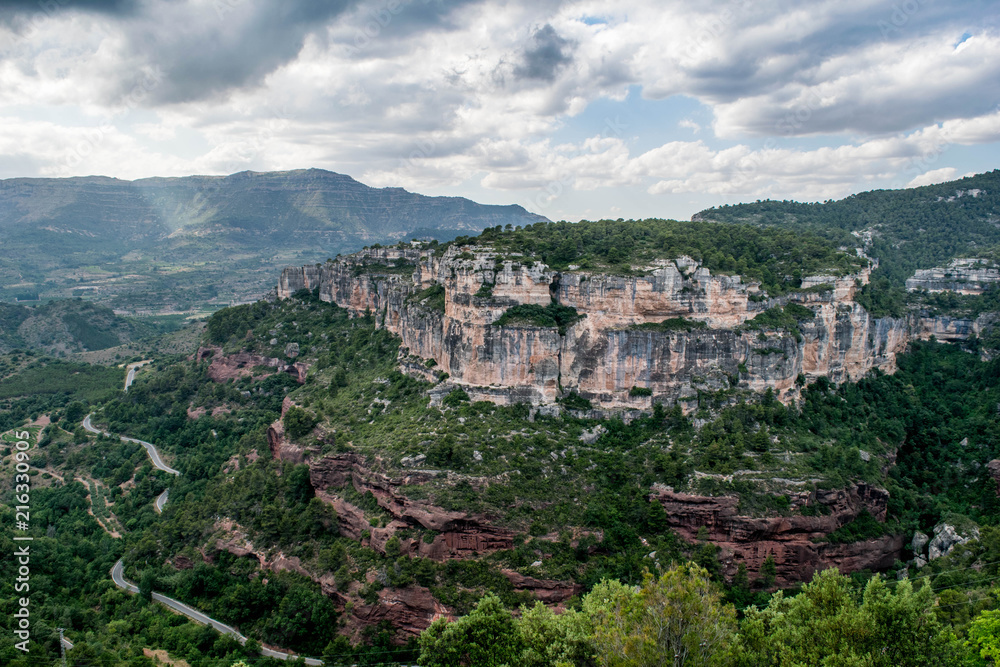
{"x":946,"y":538}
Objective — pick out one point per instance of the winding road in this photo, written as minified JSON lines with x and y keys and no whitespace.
{"x":154,"y":455}
{"x":117,"y":575}
{"x":117,"y":572}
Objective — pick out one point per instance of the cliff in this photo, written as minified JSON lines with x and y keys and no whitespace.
{"x":796,"y":542}
{"x":447,"y":307}
{"x":962,"y":276}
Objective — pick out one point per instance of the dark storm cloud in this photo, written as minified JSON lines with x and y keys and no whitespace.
{"x":548,"y":53}
{"x":209,"y":51}
{"x":19,"y":15}
{"x":50,"y":6}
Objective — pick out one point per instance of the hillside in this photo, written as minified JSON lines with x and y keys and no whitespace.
{"x":162,"y":244}
{"x":916,"y":228}
{"x":67,"y":326}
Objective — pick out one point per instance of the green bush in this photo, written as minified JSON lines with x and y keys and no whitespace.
{"x":552,"y":315}
{"x":298,"y":422}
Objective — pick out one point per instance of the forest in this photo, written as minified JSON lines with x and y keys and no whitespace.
{"x":910,"y":229}
{"x":777,"y":258}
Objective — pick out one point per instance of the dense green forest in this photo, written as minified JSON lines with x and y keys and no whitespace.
{"x":777,"y":258}
{"x":906,"y":230}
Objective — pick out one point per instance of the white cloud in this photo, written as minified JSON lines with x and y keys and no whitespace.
{"x":934,"y":176}
{"x":473,"y":94}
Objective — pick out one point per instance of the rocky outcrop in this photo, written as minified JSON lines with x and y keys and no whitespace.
{"x":548,"y":591}
{"x":606,"y":353}
{"x":223,"y":367}
{"x":794,"y":542}
{"x":282,"y":448}
{"x":945,"y":538}
{"x":454,"y":534}
{"x":410,"y":610}
{"x":963,"y":276}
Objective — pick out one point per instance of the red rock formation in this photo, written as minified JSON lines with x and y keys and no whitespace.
{"x":548,"y":591}
{"x":411,"y":610}
{"x":461,"y":534}
{"x":223,"y":368}
{"x":281,"y":448}
{"x":790,"y":540}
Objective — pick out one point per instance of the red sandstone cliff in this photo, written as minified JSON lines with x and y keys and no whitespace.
{"x":795,"y":542}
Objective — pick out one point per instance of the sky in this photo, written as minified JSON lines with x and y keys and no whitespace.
{"x":572,"y":109}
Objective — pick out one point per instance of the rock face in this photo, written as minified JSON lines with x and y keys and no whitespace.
{"x":964,"y":276}
{"x":947,"y":537}
{"x":789,"y":540}
{"x":222,"y":367}
{"x":457,"y":534}
{"x":603,"y":355}
{"x":410,"y":610}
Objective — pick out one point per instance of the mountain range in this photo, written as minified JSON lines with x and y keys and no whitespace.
{"x":169,"y":244}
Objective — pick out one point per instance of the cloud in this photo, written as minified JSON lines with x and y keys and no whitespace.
{"x":805,"y":101}
{"x":689,"y":124}
{"x":547,"y":54}
{"x":934,"y":176}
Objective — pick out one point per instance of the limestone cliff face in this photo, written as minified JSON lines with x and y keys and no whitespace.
{"x":963,"y":276}
{"x":603,"y":355}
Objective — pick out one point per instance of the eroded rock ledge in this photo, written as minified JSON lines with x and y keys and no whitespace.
{"x":793,"y":541}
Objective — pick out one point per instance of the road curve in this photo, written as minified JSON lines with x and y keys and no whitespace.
{"x":195,"y":615}
{"x":154,"y":455}
{"x":132,"y":368}
{"x":161,"y":500}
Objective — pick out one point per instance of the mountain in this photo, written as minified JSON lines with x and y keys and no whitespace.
{"x":162,"y":244}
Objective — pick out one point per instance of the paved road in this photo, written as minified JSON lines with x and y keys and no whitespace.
{"x":154,"y":455}
{"x":161,"y":500}
{"x":195,"y":615}
{"x":132,"y":368}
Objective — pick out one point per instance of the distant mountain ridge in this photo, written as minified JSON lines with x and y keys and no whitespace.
{"x":54,"y":228}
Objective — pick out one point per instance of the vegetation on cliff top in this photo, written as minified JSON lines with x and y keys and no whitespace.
{"x":777,"y":258}
{"x":906,"y":230}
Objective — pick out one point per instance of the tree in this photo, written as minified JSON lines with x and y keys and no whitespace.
{"x":487,"y":637}
{"x":552,"y":639}
{"x":298,"y":422}
{"x":984,"y":635}
{"x":826,"y":625}
{"x":147,"y":581}
{"x":768,"y":572}
{"x":675,"y":619}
